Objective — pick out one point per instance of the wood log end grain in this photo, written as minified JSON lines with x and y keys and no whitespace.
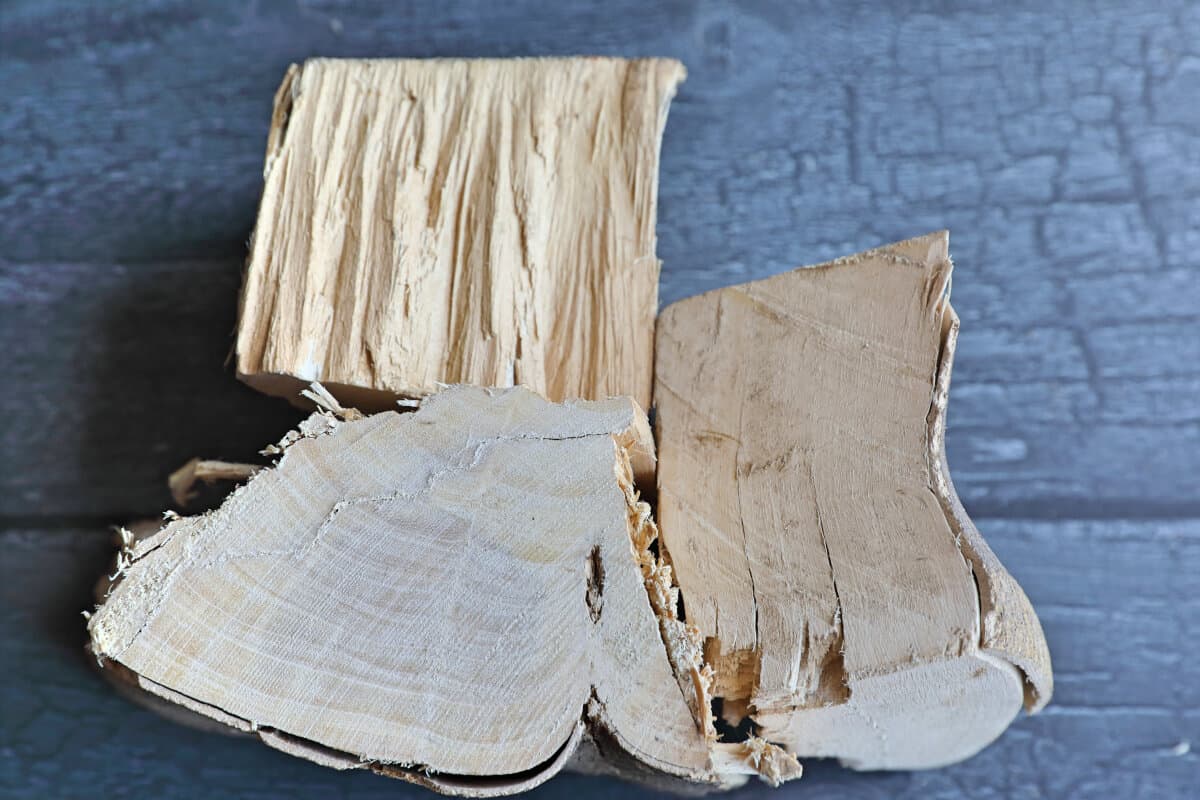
{"x":475,"y":583}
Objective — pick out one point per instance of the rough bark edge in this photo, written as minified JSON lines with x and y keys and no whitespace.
{"x":184,"y":710}
{"x":281,"y":109}
{"x":684,"y":643}
{"x":1009,"y":627}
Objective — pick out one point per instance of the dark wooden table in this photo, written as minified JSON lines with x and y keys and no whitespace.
{"x":1060,"y":143}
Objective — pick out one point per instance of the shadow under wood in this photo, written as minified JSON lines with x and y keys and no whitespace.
{"x":149,"y":345}
{"x":56,"y":582}
{"x":157,"y":390}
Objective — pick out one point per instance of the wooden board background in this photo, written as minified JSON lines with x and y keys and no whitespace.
{"x":1060,"y":143}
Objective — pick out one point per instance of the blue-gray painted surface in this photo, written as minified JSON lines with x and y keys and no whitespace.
{"x":1059,"y":142}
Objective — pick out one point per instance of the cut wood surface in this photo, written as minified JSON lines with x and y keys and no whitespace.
{"x":805,"y":506}
{"x":488,"y":222}
{"x":457,"y":597}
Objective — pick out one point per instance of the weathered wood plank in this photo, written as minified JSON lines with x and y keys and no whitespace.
{"x":1118,"y":601}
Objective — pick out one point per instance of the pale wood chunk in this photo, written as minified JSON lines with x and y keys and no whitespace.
{"x":427,"y":222}
{"x":462,"y":597}
{"x":182,"y":482}
{"x":850,"y":606}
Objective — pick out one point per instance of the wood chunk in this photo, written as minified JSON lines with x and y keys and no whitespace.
{"x":462,"y":597}
{"x":850,"y":606}
{"x":458,"y":221}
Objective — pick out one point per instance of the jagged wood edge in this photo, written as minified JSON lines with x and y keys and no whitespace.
{"x":1009,"y":628}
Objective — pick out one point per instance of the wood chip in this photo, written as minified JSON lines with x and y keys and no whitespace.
{"x":182,"y":482}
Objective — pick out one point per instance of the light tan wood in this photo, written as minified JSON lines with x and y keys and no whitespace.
{"x":458,"y":221}
{"x":462,"y":597}
{"x":849,"y":605}
{"x":182,"y":482}
{"x":473,"y":597}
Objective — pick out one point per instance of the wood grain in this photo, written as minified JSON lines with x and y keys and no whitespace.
{"x":479,"y":221}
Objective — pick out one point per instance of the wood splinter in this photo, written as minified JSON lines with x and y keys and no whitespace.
{"x":182,"y":482}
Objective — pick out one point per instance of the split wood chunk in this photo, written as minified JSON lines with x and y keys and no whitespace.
{"x":852,"y":609}
{"x":488,"y":222}
{"x":465,"y":597}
